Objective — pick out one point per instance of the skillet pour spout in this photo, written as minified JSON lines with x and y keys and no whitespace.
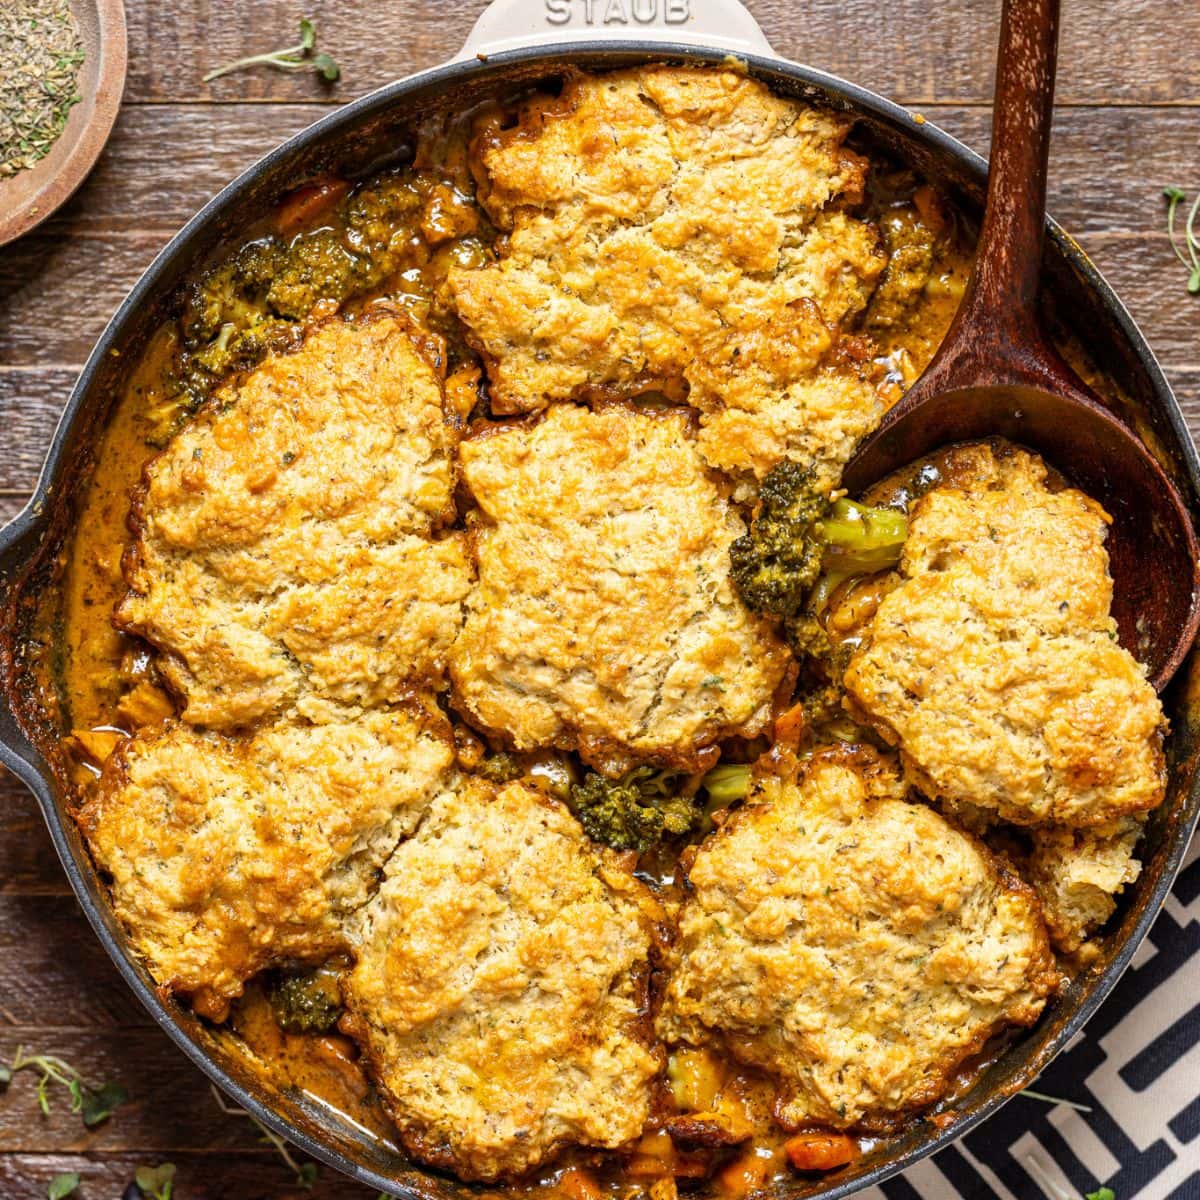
{"x":996,"y":374}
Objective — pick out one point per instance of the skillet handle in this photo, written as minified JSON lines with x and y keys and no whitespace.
{"x":516,"y":24}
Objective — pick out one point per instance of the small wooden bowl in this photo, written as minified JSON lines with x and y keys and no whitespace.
{"x":29,"y":197}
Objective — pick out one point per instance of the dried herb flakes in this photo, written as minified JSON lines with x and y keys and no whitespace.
{"x":40,"y":55}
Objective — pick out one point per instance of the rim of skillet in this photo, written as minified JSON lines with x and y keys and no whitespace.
{"x":33,"y":521}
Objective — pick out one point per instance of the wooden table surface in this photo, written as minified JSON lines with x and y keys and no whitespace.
{"x":1128,"y":123}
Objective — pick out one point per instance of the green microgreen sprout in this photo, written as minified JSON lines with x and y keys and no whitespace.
{"x":1043,"y":1178}
{"x":94,"y":1104}
{"x":62,"y":1185}
{"x":1046,"y":1099}
{"x":305,"y":1173}
{"x":1191,"y":240}
{"x":292,"y":58}
{"x":156,"y":1183}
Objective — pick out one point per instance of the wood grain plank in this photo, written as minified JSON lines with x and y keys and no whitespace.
{"x":1145,"y":275}
{"x":161,"y":165}
{"x":29,"y":865}
{"x":912,"y":50}
{"x":200,"y":1175}
{"x":30,"y":402}
{"x":159,"y":168}
{"x":170,"y":1105}
{"x":47,"y":316}
{"x":1107,"y":166}
{"x":11,"y":504}
{"x":46,"y":945}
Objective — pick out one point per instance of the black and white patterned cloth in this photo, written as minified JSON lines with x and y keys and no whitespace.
{"x":1136,"y":1066}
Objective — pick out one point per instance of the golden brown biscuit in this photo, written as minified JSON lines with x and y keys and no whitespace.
{"x":500,"y":990}
{"x":994,"y":665}
{"x":229,"y":855}
{"x":285,"y":543}
{"x":604,"y":619}
{"x":1078,"y":873}
{"x":676,"y":227}
{"x":853,"y":945}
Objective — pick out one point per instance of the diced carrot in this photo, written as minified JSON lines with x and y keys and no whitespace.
{"x":95,"y":745}
{"x":929,"y":207}
{"x":307,"y":203}
{"x":820,"y":1151}
{"x":337,"y":1051}
{"x":145,"y":705}
{"x":578,"y":1184}
{"x":789,"y":726}
{"x":747,"y":1173}
{"x":654,"y":1156}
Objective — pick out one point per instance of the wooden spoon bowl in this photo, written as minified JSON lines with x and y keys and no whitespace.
{"x":996,"y":374}
{"x":29,"y":197}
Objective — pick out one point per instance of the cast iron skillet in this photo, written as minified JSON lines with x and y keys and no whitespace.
{"x":358,"y":139}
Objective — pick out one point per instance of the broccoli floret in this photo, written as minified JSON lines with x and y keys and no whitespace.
{"x":776,"y":563}
{"x":270,"y":279}
{"x":374,"y":213}
{"x":254,"y":302}
{"x":500,"y":768}
{"x":306,"y":1001}
{"x":249,"y":305}
{"x":911,"y":253}
{"x":236,"y":349}
{"x":798,"y":537}
{"x":198,"y":369}
{"x":316,"y":267}
{"x":634,"y":812}
{"x":227,"y":324}
{"x":231,"y":293}
{"x":807,"y":636}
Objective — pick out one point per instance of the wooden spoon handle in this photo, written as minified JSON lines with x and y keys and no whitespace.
{"x":995,"y":339}
{"x":1010,"y":245}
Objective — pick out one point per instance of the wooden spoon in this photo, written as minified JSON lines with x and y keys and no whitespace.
{"x":997,"y":374}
